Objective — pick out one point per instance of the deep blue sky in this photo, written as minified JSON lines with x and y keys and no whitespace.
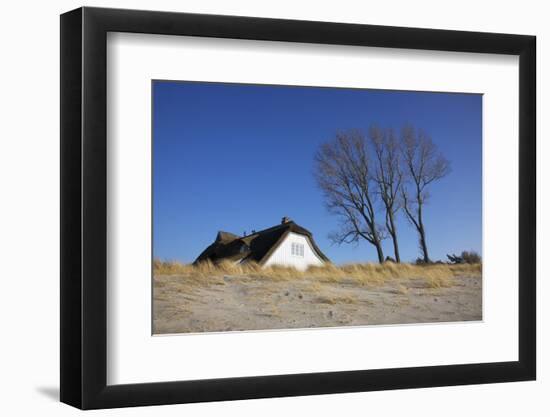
{"x":238,"y":157}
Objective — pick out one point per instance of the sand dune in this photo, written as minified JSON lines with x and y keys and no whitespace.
{"x":183,"y":304}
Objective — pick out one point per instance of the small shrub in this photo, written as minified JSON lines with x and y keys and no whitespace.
{"x":471,"y":257}
{"x":466,"y":257}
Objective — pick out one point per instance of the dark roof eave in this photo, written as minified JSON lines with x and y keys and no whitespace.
{"x":259,"y":245}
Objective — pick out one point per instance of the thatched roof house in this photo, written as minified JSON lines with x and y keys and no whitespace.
{"x":286,"y":244}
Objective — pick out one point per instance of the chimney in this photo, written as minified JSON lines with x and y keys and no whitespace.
{"x":285,"y":220}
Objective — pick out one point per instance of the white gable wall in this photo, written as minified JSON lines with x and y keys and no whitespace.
{"x":283,"y":254}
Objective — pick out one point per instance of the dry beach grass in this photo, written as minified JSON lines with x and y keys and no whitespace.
{"x":227,"y":297}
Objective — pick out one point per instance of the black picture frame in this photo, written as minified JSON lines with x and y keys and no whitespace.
{"x":84,"y":207}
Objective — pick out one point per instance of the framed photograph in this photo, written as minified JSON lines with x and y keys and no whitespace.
{"x":257,"y":208}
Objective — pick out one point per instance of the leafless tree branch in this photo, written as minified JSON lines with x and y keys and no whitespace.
{"x":343,"y":172}
{"x":388,"y":177}
{"x":423,"y":164}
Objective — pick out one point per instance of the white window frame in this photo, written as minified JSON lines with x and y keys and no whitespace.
{"x":297,"y":249}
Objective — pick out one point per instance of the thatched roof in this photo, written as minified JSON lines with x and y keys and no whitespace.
{"x":256,"y":247}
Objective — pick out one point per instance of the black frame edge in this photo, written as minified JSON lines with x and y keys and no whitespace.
{"x":528,"y":207}
{"x":94,"y":208}
{"x":83,"y":208}
{"x":70,"y":220}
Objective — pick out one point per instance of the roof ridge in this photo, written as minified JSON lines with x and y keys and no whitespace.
{"x":268,"y":229}
{"x":260,"y":243}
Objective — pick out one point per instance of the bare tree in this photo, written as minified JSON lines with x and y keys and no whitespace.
{"x":388,"y":176}
{"x":424,"y":164}
{"x":343,"y":172}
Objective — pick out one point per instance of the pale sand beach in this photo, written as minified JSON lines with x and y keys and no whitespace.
{"x":184,"y":304}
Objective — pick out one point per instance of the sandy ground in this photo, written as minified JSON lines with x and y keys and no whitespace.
{"x":246,"y":303}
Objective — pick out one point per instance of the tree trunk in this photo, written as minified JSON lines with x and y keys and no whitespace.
{"x":393,"y":233}
{"x":421,"y":232}
{"x":379,"y":251}
{"x":396,"y":249}
{"x":422,"y":235}
{"x":423,"y":245}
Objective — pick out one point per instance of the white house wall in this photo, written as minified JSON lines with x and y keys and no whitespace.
{"x":283,"y":254}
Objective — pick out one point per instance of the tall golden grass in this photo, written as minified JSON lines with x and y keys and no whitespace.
{"x":436,"y":275}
